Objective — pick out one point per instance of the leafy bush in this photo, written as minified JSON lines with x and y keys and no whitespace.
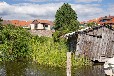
{"x":14,"y":42}
{"x":48,"y":52}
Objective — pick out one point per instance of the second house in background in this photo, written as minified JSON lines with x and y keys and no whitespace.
{"x":41,"y":25}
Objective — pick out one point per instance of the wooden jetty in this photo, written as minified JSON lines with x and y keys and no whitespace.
{"x":97,"y":43}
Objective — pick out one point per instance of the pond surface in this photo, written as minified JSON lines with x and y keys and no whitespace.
{"x":32,"y":69}
{"x":95,"y":70}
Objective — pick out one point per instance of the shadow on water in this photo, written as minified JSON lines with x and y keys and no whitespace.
{"x":20,"y":68}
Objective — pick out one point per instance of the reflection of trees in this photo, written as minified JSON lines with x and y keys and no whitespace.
{"x":34,"y":69}
{"x":24,"y":68}
{"x":15,"y":68}
{"x":96,"y":70}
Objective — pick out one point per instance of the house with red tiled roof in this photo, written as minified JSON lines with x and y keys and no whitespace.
{"x":32,"y":24}
{"x":108,"y":20}
{"x":14,"y":22}
{"x":24,"y":24}
{"x":41,"y":25}
{"x":5,"y":22}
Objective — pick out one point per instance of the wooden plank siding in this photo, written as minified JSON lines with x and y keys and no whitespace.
{"x":94,"y":42}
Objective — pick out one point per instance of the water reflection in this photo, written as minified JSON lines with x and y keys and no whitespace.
{"x":29,"y":69}
{"x":14,"y":68}
{"x":33,"y":69}
{"x":95,"y":70}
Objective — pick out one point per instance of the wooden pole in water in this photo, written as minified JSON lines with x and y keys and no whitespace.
{"x":68,"y":64}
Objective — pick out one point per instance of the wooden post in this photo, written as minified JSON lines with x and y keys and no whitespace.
{"x":68,"y":64}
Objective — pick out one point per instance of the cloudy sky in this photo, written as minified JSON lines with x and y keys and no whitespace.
{"x":46,"y":9}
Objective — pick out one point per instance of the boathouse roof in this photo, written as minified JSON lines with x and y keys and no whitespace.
{"x":89,"y":29}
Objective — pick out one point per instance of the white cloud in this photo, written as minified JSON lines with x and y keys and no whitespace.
{"x":37,"y":0}
{"x":28,"y":11}
{"x":111,"y":9}
{"x":88,"y":11}
{"x":88,"y":1}
{"x":44,"y":0}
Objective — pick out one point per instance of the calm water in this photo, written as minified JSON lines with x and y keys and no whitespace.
{"x":32,"y":69}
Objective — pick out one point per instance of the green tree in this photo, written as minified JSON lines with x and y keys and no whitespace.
{"x":65,"y":20}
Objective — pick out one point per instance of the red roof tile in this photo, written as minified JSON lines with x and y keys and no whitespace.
{"x":20,"y":23}
{"x":15,"y":22}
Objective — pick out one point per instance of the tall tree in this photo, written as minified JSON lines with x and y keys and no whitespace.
{"x":65,"y":20}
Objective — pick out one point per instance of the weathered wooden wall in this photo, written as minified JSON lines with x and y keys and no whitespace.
{"x":95,"y":42}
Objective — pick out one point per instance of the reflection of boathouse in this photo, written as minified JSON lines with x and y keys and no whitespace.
{"x":96,"y":43}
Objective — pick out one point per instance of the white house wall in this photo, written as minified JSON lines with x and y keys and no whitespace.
{"x":48,"y":28}
{"x":40,"y":26}
{"x":32,"y":26}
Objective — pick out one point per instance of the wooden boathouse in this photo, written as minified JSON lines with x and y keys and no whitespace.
{"x":97,"y":43}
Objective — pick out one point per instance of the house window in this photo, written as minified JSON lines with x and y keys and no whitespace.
{"x":36,"y":26}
